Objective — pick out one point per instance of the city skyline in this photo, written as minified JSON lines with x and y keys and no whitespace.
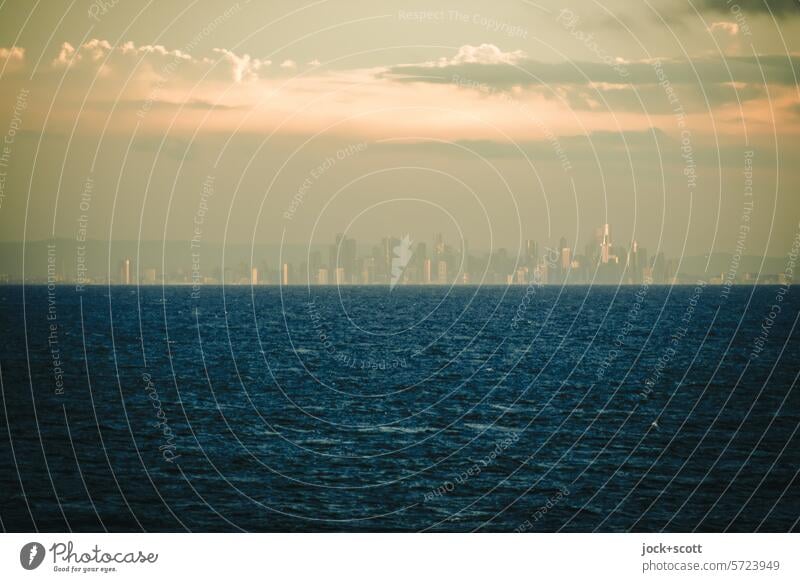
{"x":402,"y":260}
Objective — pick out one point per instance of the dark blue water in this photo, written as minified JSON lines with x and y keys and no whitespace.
{"x":361,"y":409}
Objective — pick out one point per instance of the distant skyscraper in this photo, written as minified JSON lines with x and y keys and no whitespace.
{"x":659,"y":269}
{"x":566,"y":258}
{"x":343,"y":254}
{"x":125,"y":271}
{"x":531,"y":255}
{"x":314,"y":263}
{"x":349,"y":260}
{"x":426,"y":271}
{"x":441,"y":272}
{"x":285,"y":274}
{"x":531,"y":249}
{"x":605,"y":245}
{"x":368,"y":270}
{"x":322,"y":276}
{"x":388,"y":244}
{"x":634,"y":272}
{"x":420,"y":258}
{"x":333,"y":257}
{"x":254,"y":276}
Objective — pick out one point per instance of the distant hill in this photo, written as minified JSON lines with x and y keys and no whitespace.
{"x":722,"y":263}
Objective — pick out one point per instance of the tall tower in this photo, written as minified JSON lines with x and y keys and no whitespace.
{"x":342,"y":254}
{"x":348,"y":251}
{"x":566,"y":258}
{"x":388,"y":245}
{"x":531,"y":249}
{"x":438,"y":246}
{"x":634,"y":274}
{"x":125,"y":271}
{"x":531,"y":255}
{"x":420,"y":258}
{"x":605,"y":246}
{"x":441,"y":272}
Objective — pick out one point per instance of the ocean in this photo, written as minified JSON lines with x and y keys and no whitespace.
{"x":497,"y":409}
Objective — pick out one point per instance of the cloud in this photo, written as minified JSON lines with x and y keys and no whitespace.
{"x":730,"y":27}
{"x":474,"y":92}
{"x":12,"y":58}
{"x":12,"y":53}
{"x":243,"y":67}
{"x":780,"y":69}
{"x":156,"y":61}
{"x":484,"y":54}
{"x":699,"y":83}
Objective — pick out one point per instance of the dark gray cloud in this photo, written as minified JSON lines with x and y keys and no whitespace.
{"x":651,"y":99}
{"x":781,"y":8}
{"x":653,"y":88}
{"x":778,"y":69}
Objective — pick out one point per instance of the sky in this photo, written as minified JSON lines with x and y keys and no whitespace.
{"x":676,"y":122}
